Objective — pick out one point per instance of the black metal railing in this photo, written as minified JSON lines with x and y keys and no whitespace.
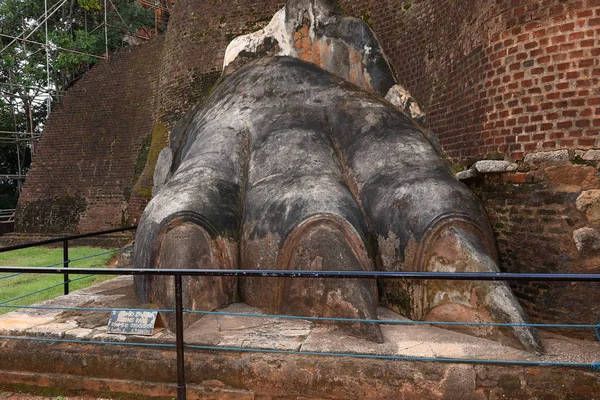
{"x":178,"y":275}
{"x":65,"y":243}
{"x":7,"y":216}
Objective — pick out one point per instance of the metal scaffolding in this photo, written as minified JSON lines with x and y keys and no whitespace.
{"x":28,"y":97}
{"x":35,"y":95}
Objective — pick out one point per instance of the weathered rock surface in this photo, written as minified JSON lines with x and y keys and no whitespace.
{"x":589,"y":202}
{"x":288,"y":166}
{"x":466,"y":175}
{"x":557,"y":156}
{"x":491,"y":166}
{"x":572,"y":178}
{"x":592,"y":155}
{"x":314,"y":31}
{"x":162,"y":170}
{"x":587,"y":239}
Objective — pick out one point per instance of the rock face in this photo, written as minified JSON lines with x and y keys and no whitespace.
{"x":289,"y":166}
{"x":589,"y":202}
{"x":313,"y":31}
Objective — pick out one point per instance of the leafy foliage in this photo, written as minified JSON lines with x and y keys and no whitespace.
{"x":76,"y":37}
{"x":89,"y":5}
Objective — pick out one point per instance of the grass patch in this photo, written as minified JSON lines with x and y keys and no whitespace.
{"x":28,"y":284}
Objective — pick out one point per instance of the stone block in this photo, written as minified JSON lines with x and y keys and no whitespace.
{"x":15,"y":322}
{"x":573,"y":178}
{"x":79,"y":334}
{"x":55,"y":330}
{"x":547,"y":157}
{"x":101,"y":335}
{"x":591,"y":155}
{"x":589,"y":202}
{"x":587,"y":239}
{"x":580,"y":153}
{"x":492,"y":166}
{"x":465,"y":175}
{"x":460,"y":383}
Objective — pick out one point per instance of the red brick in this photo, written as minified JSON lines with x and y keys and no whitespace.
{"x":587,"y":43}
{"x":586,"y":63}
{"x":576,"y":35}
{"x":518,"y":178}
{"x":586,"y":141}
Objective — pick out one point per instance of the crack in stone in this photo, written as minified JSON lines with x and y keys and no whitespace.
{"x":412,"y":347}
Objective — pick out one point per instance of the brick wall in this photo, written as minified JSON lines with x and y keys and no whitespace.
{"x":85,"y":165}
{"x":502,"y":80}
{"x":500,"y":77}
{"x":545,"y":220}
{"x":199,"y":32}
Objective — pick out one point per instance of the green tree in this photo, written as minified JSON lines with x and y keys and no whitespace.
{"x":76,"y":41}
{"x":76,"y":37}
{"x":12,"y":154}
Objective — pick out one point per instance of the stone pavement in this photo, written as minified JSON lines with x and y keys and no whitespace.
{"x":274,"y":333}
{"x":249,"y":375}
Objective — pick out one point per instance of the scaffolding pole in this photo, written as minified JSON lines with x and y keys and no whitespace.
{"x":19,"y":133}
{"x":19,"y":170}
{"x":47,"y":47}
{"x":17,"y":85}
{"x":152,"y":5}
{"x":57,"y":47}
{"x":34,"y":29}
{"x":15,"y":177}
{"x":105,"y":31}
{"x":4,"y":139}
{"x":37,"y":21}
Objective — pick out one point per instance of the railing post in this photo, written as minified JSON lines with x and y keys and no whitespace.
{"x":179,"y":338}
{"x":66,"y":265}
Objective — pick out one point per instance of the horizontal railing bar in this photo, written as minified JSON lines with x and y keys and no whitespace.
{"x":29,"y":134}
{"x":45,"y":289}
{"x":307,"y":318}
{"x":72,"y":260}
{"x":102,"y":309}
{"x":62,"y":239}
{"x":76,"y":260}
{"x":455,"y":276}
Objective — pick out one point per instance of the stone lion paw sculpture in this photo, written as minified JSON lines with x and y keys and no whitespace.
{"x":297,"y":161}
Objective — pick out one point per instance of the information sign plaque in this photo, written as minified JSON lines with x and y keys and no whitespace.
{"x":133,"y":322}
